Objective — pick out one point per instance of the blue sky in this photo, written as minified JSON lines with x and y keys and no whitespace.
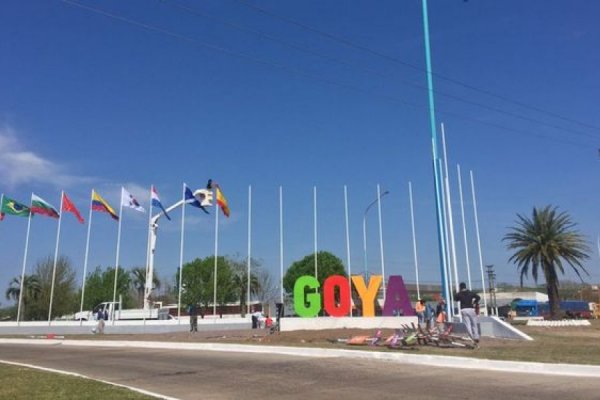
{"x":297,"y":94}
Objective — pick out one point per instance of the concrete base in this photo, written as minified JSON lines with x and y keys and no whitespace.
{"x":490,"y":326}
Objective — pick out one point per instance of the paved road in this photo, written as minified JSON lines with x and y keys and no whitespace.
{"x":219,"y":375}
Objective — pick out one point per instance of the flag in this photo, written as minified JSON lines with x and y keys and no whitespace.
{"x":12,"y":207}
{"x":192,"y":200}
{"x":67,"y":205}
{"x":221,"y":200}
{"x":99,"y":204}
{"x":41,"y":206}
{"x":156,"y":202}
{"x":127,"y":200}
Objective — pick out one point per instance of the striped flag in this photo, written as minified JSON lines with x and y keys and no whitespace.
{"x":156,"y":202}
{"x":99,"y":204}
{"x":42,"y":207}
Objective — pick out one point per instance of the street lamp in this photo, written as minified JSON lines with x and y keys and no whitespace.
{"x":365,"y":230}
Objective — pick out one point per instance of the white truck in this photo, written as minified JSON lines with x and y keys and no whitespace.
{"x":113,"y":310}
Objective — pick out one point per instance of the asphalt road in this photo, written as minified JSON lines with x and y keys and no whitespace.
{"x":224,"y":375}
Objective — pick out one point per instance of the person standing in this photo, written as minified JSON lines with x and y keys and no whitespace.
{"x":469,"y":302}
{"x":193,"y":312}
{"x":440,"y":315}
{"x":420,"y":310}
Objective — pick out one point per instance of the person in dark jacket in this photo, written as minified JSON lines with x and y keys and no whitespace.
{"x":469,"y":302}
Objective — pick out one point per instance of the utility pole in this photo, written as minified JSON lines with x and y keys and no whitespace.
{"x":492,"y":288}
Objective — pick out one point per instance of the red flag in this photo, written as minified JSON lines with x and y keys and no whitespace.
{"x":70,"y":207}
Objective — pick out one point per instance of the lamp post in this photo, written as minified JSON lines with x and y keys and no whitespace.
{"x":365,"y":230}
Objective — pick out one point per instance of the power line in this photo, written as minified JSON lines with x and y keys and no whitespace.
{"x":297,"y":71}
{"x":202,"y":14}
{"x":354,"y":45}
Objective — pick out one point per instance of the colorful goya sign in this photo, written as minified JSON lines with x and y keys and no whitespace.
{"x":337,"y":300}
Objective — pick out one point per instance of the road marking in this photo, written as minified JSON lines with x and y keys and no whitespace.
{"x":75,"y":374}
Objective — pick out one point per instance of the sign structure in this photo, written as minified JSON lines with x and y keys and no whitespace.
{"x":336,"y":297}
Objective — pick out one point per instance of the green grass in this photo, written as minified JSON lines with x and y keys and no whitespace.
{"x":18,"y":382}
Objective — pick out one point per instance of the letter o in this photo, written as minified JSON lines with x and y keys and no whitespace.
{"x":343,"y":309}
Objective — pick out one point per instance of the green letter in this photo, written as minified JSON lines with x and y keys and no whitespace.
{"x":307,"y":304}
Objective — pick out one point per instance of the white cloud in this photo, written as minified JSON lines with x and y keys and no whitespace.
{"x":21,"y":166}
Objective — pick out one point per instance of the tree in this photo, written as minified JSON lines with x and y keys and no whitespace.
{"x":327,"y":265}
{"x":267,"y":292}
{"x":31,"y":290}
{"x":138,"y":282}
{"x":545,"y":242}
{"x":240,"y":281}
{"x":64,"y":297}
{"x":99,"y":287}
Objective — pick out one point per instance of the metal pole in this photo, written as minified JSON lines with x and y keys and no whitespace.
{"x":281,"y":242}
{"x":478,"y":241}
{"x":181,"y":256}
{"x":112,"y":317}
{"x":85,"y":261}
{"x":381,"y":238}
{"x":315,"y":229}
{"x":464,"y":225}
{"x":412,"y":223}
{"x":348,"y":243}
{"x":23,"y":270}
{"x":249,"y":246}
{"x":55,"y":258}
{"x":216,"y":254}
{"x":439,"y":214}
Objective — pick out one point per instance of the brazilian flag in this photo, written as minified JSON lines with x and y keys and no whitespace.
{"x":13,"y":207}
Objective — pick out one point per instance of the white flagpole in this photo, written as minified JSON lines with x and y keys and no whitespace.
{"x":381,"y":238}
{"x":181,"y":255}
{"x":117,"y":259}
{"x":478,"y":242}
{"x":315,"y":229}
{"x":249,"y":245}
{"x":414,"y":237}
{"x":447,"y":266}
{"x":464,"y":225}
{"x":449,"y":208}
{"x":23,"y":270}
{"x":148,"y":249}
{"x":281,"y":242}
{"x":348,"y":242}
{"x":85,"y":261}
{"x":62,"y":195}
{"x":216,"y":254}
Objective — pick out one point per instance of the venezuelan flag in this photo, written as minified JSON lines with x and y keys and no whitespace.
{"x":99,"y":204}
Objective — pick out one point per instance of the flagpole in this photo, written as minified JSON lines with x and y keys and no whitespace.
{"x":348,"y":242}
{"x":464,"y":225}
{"x":381,"y":238}
{"x":216,"y":254}
{"x":148,"y":246}
{"x":181,"y":255}
{"x":85,"y":262}
{"x":450,"y":217}
{"x":315,"y":229}
{"x":117,"y":259}
{"x":436,"y":175}
{"x":414,"y":237}
{"x":249,"y":245}
{"x":23,"y":270}
{"x":478,"y":242}
{"x":447,"y":266}
{"x":281,"y":242}
{"x":62,"y":194}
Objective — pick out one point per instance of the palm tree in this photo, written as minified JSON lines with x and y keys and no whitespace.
{"x":31,"y":290}
{"x":545,"y":242}
{"x":138,"y":276}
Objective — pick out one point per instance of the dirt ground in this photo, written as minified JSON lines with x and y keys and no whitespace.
{"x":579,"y":345}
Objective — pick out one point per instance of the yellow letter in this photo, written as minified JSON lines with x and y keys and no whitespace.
{"x":367,"y":294}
